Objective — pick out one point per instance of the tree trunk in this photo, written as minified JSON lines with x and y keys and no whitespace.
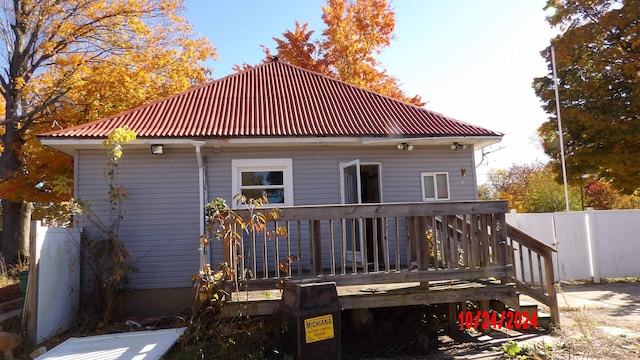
{"x":10,"y":163}
{"x":10,"y":230}
{"x":25,"y":229}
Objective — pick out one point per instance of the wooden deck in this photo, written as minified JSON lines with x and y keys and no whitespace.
{"x":381,"y":295}
{"x":406,"y":254}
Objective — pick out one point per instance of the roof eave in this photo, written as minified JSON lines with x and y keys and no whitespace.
{"x":69,"y":145}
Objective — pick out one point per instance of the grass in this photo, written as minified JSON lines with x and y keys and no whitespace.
{"x":628,"y":279}
{"x":7,"y":281}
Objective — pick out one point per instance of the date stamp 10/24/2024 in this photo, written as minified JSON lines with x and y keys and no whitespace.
{"x":483,"y":320}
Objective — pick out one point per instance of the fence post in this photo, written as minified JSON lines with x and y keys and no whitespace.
{"x":591,"y":239}
{"x":31,"y":297}
{"x":514,"y":218}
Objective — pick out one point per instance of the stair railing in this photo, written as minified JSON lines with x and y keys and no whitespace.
{"x":533,"y":269}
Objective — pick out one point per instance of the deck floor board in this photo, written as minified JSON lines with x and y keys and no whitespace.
{"x":264,"y":302}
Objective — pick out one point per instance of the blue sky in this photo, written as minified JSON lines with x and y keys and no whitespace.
{"x":469,"y":59}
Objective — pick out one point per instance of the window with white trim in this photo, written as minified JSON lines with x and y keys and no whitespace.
{"x":253,"y":177}
{"x":435,"y":186}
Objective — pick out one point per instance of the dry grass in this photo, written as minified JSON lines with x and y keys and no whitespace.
{"x":586,"y":334}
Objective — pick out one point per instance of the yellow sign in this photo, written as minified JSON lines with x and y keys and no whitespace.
{"x":318,"y":328}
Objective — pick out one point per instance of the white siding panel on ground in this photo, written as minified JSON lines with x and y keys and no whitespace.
{"x":160,"y":224}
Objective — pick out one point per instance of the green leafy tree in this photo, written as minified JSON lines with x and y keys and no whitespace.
{"x":598,"y":67}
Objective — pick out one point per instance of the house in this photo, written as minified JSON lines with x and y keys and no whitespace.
{"x":305,"y":139}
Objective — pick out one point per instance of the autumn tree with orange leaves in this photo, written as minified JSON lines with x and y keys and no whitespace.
{"x":356,"y":31}
{"x":67,"y":62}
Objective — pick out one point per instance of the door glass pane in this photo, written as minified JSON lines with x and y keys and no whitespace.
{"x":443,"y":189}
{"x":253,"y":178}
{"x":350,"y":185}
{"x":429,"y":187}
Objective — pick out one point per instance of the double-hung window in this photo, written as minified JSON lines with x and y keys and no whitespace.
{"x":254,"y":177}
{"x":435,"y":186}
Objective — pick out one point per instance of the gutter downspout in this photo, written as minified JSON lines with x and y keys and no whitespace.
{"x":201,"y":230}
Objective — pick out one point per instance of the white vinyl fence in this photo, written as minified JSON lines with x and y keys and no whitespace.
{"x":591,"y":244}
{"x":53,"y":291}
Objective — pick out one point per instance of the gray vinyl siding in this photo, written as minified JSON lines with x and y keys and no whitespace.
{"x":160,"y":225}
{"x":316,"y":171}
{"x":316,"y":181}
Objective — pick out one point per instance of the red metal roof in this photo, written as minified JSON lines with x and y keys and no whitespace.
{"x":275,"y":100}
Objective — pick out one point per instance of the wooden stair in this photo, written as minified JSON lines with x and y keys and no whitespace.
{"x":527,"y":306}
{"x":543,"y":318}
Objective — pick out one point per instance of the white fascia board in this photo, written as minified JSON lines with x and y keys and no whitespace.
{"x":478,"y":142}
{"x":69,"y":145}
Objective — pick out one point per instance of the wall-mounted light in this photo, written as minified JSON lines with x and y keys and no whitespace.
{"x":157,"y":149}
{"x":405,"y":146}
{"x":458,"y":146}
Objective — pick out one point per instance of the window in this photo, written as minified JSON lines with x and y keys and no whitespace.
{"x":253,"y":177}
{"x":435,"y":186}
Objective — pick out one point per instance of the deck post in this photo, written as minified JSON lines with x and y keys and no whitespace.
{"x":311,"y":321}
{"x":483,"y":307}
{"x":453,"y":315}
{"x":504,"y":252}
{"x":422,"y":247}
{"x":551,"y":290}
{"x":316,"y":248}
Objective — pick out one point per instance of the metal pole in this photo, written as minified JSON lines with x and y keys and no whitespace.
{"x":564,"y":167}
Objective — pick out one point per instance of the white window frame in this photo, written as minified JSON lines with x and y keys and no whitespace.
{"x":284,"y":165}
{"x":435,"y":174}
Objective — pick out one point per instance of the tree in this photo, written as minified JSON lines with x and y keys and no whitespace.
{"x":598,"y":66}
{"x":529,"y":189}
{"x":600,"y":196}
{"x":67,"y":62}
{"x":356,"y":31}
{"x":534,"y":188}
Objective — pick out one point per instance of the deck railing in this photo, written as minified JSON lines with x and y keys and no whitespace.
{"x":394,"y":242}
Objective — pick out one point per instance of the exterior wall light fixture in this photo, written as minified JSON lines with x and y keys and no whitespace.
{"x":157,"y":149}
{"x":405,"y":146}
{"x":458,"y":146}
